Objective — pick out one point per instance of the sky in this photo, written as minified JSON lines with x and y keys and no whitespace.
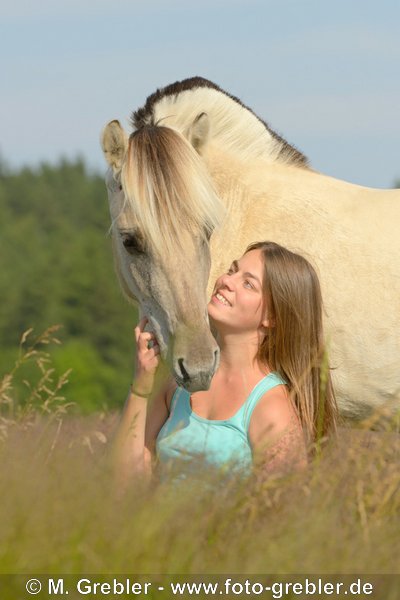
{"x":324,"y":74}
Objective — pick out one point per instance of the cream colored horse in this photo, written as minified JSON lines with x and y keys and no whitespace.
{"x":198,"y":164}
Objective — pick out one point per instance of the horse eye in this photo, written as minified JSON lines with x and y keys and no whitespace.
{"x":131,"y":243}
{"x":116,"y":184}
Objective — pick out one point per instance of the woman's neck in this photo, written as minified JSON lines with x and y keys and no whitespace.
{"x":238,"y":354}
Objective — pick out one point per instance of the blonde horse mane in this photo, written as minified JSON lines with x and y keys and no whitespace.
{"x":168,"y":190}
{"x":235,"y":127}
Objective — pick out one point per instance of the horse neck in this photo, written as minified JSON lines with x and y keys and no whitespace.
{"x":262,"y":181}
{"x":292,"y":206}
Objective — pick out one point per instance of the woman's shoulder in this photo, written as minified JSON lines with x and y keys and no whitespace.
{"x":273,"y":413}
{"x":275,"y":433}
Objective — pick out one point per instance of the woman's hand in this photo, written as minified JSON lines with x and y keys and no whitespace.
{"x":147,"y":357}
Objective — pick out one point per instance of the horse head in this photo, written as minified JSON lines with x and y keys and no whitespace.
{"x":163,"y":210}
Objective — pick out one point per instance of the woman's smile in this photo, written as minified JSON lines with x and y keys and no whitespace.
{"x":220,"y":299}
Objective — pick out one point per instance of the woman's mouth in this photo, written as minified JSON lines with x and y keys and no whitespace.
{"x":221,"y":299}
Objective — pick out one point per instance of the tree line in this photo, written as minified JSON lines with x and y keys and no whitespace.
{"x":56,"y":267}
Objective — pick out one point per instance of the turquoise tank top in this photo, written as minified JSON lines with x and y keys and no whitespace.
{"x":198,"y":442}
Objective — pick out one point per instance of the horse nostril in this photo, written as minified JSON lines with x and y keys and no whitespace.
{"x":216,"y":358}
{"x":185,"y":374}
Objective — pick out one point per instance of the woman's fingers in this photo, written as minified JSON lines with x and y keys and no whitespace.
{"x":147,"y":351}
{"x":139,"y":329}
{"x":145,"y":340}
{"x":152,"y":351}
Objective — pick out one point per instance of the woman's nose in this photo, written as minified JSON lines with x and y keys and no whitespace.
{"x":226,"y":281}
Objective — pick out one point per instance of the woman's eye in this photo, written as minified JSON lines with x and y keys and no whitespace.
{"x":248,"y":284}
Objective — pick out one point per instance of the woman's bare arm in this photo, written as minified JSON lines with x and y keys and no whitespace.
{"x":276,"y":435}
{"x":144,"y":405}
{"x":134,"y":442}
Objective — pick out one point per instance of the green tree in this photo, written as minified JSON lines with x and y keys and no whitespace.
{"x":56,"y":267}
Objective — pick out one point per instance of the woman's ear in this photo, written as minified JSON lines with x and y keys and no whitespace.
{"x":268,"y":322}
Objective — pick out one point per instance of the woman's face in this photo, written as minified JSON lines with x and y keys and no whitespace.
{"x":237,"y":300}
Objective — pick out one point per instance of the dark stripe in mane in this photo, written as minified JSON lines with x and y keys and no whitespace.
{"x":144,"y":116}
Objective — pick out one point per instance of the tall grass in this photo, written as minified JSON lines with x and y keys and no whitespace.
{"x":60,"y":514}
{"x":31,"y":387}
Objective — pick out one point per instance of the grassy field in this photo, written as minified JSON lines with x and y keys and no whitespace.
{"x":60,"y":514}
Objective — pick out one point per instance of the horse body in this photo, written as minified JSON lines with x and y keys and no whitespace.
{"x":328,"y":222}
{"x":268,"y":192}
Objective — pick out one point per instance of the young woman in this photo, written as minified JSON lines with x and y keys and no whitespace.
{"x":271,"y":395}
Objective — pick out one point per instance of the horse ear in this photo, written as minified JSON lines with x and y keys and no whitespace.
{"x":199,"y":132}
{"x":114,"y":143}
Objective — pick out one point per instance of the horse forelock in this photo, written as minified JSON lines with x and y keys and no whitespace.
{"x":168,"y":190}
{"x":230,"y":116}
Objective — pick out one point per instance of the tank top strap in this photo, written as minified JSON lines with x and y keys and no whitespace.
{"x":267,"y":383}
{"x":174,"y":400}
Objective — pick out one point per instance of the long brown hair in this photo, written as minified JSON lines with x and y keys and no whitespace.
{"x":294,"y":344}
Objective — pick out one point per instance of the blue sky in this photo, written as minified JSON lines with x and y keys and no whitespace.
{"x":323,"y":74}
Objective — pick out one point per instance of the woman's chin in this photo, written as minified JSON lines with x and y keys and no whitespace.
{"x":213,"y":313}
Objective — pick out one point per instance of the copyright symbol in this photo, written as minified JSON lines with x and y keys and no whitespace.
{"x":33,"y":586}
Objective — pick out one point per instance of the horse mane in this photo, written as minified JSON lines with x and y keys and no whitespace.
{"x":168,"y":190}
{"x":234,"y":125}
